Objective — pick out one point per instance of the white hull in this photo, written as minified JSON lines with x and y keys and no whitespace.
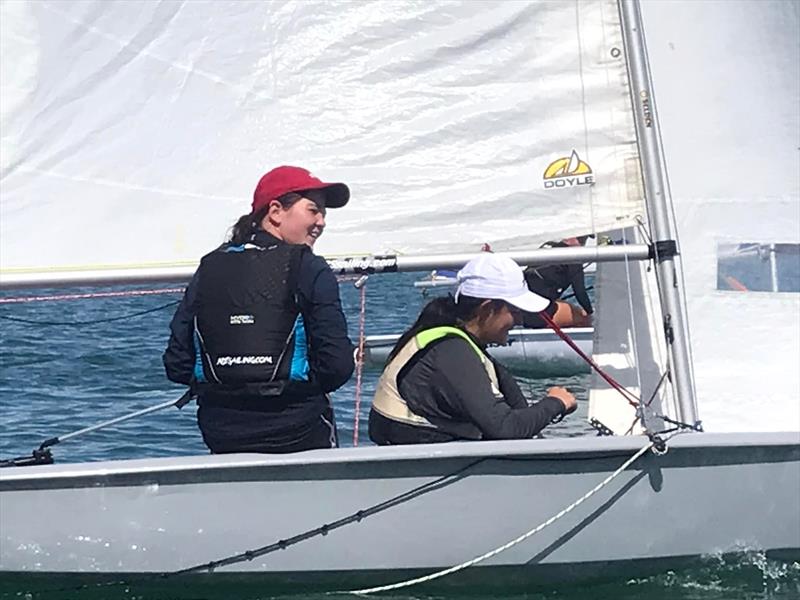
{"x":535,"y":352}
{"x":711,"y":493}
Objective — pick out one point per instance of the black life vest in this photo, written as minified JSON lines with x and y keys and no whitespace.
{"x":246,"y":315}
{"x":551,"y":280}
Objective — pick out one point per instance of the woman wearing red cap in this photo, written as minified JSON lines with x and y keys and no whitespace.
{"x":260,"y":335}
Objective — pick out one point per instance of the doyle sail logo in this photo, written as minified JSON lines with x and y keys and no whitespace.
{"x":568,"y":171}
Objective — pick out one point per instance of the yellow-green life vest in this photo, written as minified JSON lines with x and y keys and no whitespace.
{"x":388,"y":401}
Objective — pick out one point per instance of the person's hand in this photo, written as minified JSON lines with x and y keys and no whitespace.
{"x":581,"y":318}
{"x":567,"y":399}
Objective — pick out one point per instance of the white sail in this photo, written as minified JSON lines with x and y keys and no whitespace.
{"x":727,"y":92}
{"x":134,"y":132}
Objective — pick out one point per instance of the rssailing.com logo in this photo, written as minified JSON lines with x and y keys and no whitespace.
{"x":228,"y":361}
{"x":568,"y":171}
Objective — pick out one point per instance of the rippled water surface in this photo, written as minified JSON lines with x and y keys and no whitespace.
{"x":56,"y":378}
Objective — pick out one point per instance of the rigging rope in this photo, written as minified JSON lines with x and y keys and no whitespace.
{"x":361,"y":284}
{"x":93,"y":322}
{"x":90,"y":295}
{"x":513,"y":542}
{"x":646,"y":236}
{"x":632,"y":399}
{"x":629,"y":396}
{"x":118,"y":294}
{"x":326,"y":528}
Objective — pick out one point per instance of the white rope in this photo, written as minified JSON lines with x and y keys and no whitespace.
{"x":504,"y":547}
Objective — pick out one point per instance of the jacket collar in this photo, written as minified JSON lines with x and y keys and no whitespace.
{"x":264,"y":239}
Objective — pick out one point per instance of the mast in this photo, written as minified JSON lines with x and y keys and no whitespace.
{"x":773,"y":267}
{"x":658,"y":204}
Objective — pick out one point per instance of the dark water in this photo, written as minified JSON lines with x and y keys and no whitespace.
{"x":55,"y":379}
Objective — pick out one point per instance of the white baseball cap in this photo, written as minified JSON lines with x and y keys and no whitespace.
{"x":497,"y":277}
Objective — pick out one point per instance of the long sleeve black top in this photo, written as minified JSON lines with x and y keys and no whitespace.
{"x":447,"y":384}
{"x":551,"y":281}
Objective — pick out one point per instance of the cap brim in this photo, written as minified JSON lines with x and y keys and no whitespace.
{"x":529,"y":302}
{"x":336,"y":195}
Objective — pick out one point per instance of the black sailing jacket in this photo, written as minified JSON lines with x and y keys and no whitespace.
{"x":330,"y":357}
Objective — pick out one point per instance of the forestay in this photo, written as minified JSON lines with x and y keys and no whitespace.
{"x":134,"y":132}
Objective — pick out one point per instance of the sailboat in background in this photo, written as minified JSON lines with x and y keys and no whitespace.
{"x":528,"y":352}
{"x":442,"y":118}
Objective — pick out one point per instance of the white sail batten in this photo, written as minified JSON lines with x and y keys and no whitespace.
{"x":730,"y":142}
{"x":134,"y":132}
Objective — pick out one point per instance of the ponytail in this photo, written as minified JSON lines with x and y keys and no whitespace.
{"x":443,"y":311}
{"x":248,"y":225}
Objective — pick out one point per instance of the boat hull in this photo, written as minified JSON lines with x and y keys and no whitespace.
{"x":404,"y":510}
{"x":532,"y":352}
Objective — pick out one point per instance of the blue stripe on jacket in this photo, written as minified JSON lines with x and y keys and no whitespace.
{"x":299,"y":370}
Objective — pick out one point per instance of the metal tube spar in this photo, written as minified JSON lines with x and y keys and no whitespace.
{"x":773,"y":267}
{"x":541,"y":256}
{"x":11,"y":280}
{"x":342,"y":266}
{"x":652,"y":161}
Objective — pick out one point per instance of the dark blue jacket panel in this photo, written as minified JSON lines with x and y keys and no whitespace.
{"x":179,"y":357}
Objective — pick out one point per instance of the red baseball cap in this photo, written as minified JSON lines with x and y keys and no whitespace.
{"x":285,"y":179}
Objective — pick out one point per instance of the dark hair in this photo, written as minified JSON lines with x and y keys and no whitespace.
{"x":444,"y":311}
{"x":247,"y":225}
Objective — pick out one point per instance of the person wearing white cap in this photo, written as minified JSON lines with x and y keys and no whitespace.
{"x":441,"y":385}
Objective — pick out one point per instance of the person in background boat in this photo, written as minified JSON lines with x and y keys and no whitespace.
{"x":551,"y":281}
{"x":260,"y":335}
{"x":440,"y":384}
